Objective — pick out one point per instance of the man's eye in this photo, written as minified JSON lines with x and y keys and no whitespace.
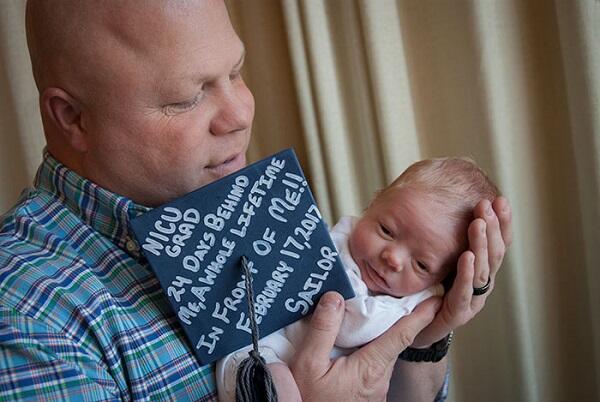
{"x":182,"y":107}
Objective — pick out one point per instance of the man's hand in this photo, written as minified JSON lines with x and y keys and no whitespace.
{"x":365,"y":374}
{"x":490,"y":234}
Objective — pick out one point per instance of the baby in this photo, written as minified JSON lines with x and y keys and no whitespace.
{"x":396,"y":255}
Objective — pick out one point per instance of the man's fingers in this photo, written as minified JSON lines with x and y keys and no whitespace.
{"x":503,"y":212}
{"x":495,"y":242}
{"x":385,"y":349}
{"x":313,"y":356}
{"x":462,"y":290}
{"x":478,"y":243}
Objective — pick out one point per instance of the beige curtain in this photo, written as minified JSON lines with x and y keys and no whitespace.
{"x":363,"y":88}
{"x":21,"y":141}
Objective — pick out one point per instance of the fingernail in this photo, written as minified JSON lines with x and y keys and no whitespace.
{"x":488,"y":210}
{"x":330,"y":301}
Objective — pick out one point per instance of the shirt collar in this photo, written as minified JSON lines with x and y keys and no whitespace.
{"x":106,"y":212}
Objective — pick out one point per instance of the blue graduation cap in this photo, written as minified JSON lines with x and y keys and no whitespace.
{"x":265,"y":212}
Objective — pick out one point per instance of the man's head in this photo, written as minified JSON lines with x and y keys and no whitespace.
{"x":412,"y":234}
{"x":144,"y":98}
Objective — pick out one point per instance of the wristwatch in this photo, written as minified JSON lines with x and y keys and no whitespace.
{"x":434,"y":353}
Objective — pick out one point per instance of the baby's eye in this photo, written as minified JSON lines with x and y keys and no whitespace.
{"x":385,"y":230}
{"x":422,"y":266}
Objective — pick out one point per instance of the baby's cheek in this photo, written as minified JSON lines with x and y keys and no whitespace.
{"x":358,"y":244}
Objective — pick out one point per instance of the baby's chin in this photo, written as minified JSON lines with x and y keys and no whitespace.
{"x":388,"y":293}
{"x":378,"y":291}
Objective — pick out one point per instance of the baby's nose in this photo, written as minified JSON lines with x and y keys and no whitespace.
{"x":393,"y":259}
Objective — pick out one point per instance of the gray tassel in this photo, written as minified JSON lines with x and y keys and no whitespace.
{"x":254,"y":381}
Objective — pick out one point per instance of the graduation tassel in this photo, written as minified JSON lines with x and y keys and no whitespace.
{"x":254,"y":381}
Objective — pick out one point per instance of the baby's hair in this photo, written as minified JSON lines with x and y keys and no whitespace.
{"x":457,"y":183}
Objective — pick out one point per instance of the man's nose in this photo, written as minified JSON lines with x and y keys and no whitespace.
{"x":394,"y":257}
{"x":235,"y":111}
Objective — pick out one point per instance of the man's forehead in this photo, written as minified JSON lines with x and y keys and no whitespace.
{"x":80,"y":30}
{"x":162,"y":22}
{"x":95,"y":8}
{"x":132,"y":21}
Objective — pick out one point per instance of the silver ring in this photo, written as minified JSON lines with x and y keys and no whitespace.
{"x":482,"y":290}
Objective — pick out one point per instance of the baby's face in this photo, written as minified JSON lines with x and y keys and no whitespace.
{"x":405,"y":242}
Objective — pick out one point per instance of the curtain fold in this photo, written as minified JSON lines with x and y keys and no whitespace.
{"x":579,"y":31}
{"x":363,"y":88}
{"x":393,"y":116}
{"x":324,"y":99}
{"x":21,"y":141}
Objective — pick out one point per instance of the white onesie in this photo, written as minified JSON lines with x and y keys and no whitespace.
{"x":366,"y":317}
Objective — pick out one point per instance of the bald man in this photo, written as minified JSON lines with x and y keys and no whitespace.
{"x":142,"y":102}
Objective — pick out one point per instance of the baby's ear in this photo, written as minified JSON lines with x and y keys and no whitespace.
{"x":449,"y":279}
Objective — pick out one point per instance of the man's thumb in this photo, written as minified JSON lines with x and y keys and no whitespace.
{"x":324,"y":326}
{"x":401,"y":335}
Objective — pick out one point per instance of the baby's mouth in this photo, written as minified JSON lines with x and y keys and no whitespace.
{"x":376,"y":277}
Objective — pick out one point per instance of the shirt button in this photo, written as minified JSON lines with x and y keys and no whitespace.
{"x":131,"y":246}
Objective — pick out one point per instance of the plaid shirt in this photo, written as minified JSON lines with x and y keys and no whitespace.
{"x":82,"y":317}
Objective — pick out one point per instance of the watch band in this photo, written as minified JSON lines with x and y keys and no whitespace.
{"x":434,"y":353}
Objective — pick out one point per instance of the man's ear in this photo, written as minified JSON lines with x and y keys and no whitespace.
{"x":64,"y":112}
